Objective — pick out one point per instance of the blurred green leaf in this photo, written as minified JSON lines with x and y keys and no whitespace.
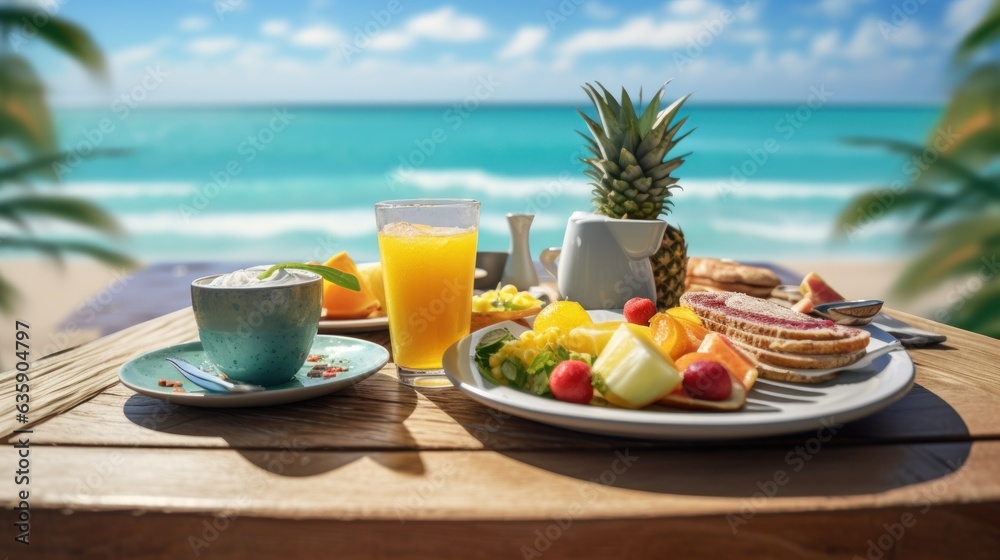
{"x":958,"y":251}
{"x":8,"y":295}
{"x":982,"y":35}
{"x":23,"y":106}
{"x":69,"y":209}
{"x":981,"y":311}
{"x":64,"y":35}
{"x":55,"y":250}
{"x":43,"y":165}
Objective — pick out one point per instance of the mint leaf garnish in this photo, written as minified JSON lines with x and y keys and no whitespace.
{"x":329,"y":274}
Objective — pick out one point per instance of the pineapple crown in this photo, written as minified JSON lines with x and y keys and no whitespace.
{"x":631,"y":178}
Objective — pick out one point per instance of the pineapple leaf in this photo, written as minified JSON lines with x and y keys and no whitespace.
{"x":610,"y":99}
{"x":648,"y":118}
{"x":609,"y":121}
{"x":651,"y":140}
{"x":604,"y":143}
{"x":670,"y":112}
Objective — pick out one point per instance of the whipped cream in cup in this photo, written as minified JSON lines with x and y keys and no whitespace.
{"x":258,"y":331}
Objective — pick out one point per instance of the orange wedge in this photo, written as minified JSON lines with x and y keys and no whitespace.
{"x":691,"y":357}
{"x":740,"y":364}
{"x":341,"y":303}
{"x":684,"y":314}
{"x":670,"y":334}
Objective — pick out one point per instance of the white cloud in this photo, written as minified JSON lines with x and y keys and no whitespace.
{"x":962,"y":15}
{"x":910,"y":36}
{"x":318,"y":36}
{"x":527,"y":40}
{"x":193,"y":23}
{"x":688,"y":7}
{"x":274,"y":28}
{"x":868,"y":40}
{"x":252,"y":54}
{"x":825,"y":44}
{"x":641,"y":32}
{"x":598,"y":11}
{"x":444,"y":24}
{"x":209,"y":46}
{"x":750,"y":36}
{"x":138,"y":53}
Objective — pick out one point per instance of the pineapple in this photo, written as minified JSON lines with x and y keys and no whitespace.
{"x":631,"y":175}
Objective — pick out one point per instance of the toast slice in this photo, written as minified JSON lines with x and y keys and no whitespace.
{"x":854,"y":343}
{"x":727,"y":271}
{"x":762,"y":317}
{"x":778,"y":373}
{"x":801,"y":361}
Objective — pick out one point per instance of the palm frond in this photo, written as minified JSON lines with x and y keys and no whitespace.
{"x":64,"y":35}
{"x":57,"y":249}
{"x":980,"y":311}
{"x":44,"y":165}
{"x":68,"y":209}
{"x":9,"y":295}
{"x":24,"y":108}
{"x":958,"y":251}
{"x":981,"y":36}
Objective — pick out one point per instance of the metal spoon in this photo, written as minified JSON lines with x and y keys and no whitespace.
{"x":857,"y":312}
{"x":210,"y":382}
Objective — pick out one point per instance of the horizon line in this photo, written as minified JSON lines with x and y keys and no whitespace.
{"x":501,"y":104}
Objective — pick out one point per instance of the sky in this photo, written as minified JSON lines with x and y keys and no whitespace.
{"x":398,"y":51}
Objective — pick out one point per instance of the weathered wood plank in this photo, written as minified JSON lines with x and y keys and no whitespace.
{"x":968,"y":531}
{"x":529,"y":485}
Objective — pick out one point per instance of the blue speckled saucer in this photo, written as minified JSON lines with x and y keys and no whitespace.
{"x":362,"y":359}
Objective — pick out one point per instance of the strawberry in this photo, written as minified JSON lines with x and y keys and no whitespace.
{"x":708,"y":381}
{"x":570,"y":382}
{"x":639,"y":311}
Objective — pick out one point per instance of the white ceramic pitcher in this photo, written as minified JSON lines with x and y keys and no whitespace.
{"x":604,"y":262}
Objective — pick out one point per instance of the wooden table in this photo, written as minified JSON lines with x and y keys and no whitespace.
{"x":385,"y":471}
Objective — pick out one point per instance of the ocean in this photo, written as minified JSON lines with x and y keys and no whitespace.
{"x":296,"y":183}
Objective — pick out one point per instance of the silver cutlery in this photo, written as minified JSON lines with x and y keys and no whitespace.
{"x":210,"y":382}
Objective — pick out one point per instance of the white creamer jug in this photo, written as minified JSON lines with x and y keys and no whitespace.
{"x":604,"y":262}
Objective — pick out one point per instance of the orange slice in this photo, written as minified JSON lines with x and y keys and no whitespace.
{"x":341,"y":303}
{"x":684,"y":314}
{"x":670,"y":334}
{"x":691,"y":357}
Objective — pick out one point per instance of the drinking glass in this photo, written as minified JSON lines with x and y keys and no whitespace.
{"x":428,"y":251}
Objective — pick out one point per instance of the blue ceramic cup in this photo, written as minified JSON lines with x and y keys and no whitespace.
{"x":258,"y":333}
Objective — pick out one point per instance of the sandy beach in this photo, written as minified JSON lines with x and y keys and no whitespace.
{"x":50,"y":294}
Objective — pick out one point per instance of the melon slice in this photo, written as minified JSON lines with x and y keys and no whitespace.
{"x":340,"y":303}
{"x":633,"y":371}
{"x":805,"y":305}
{"x":818,"y":291}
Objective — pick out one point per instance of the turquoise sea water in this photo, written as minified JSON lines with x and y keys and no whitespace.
{"x":270,"y":183}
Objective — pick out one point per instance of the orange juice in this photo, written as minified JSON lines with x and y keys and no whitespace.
{"x":428,"y":273}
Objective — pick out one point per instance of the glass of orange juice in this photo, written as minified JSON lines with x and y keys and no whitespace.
{"x":428,"y":252}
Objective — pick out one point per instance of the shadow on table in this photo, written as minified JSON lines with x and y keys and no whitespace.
{"x":918,"y":439}
{"x":366,"y":415}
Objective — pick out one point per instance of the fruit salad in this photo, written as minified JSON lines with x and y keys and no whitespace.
{"x":667,"y":358}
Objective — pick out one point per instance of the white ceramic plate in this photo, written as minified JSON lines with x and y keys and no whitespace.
{"x":345,"y":326}
{"x":370,"y":324}
{"x":773,"y":408}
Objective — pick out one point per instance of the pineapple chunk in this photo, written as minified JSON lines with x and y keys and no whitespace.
{"x":634,"y":370}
